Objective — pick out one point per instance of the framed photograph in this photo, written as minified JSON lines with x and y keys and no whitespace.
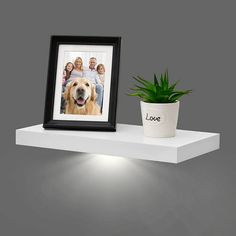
{"x":82,"y":83}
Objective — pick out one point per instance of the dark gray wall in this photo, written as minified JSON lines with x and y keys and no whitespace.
{"x":48,"y":192}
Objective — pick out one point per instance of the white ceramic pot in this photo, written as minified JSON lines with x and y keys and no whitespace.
{"x":159,"y":119}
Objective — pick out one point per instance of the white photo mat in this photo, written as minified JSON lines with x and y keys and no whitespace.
{"x":68,"y":53}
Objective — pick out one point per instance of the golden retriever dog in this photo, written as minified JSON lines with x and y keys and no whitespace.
{"x":80,"y":96}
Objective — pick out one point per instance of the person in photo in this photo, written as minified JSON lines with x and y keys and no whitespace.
{"x":67,"y":72}
{"x":78,"y":69}
{"x":91,"y":74}
{"x":66,"y":76}
{"x":101,"y":73}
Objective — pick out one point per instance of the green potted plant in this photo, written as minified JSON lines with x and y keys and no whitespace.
{"x":159,"y":105}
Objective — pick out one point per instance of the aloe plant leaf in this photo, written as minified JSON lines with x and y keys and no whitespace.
{"x":179,"y":94}
{"x":172,"y":87}
{"x":139,"y":81}
{"x":156,"y":81}
{"x":147,"y":82}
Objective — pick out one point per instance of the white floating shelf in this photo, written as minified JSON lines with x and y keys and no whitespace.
{"x":127,"y":141}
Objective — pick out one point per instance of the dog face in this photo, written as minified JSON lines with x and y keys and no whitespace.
{"x":80,"y":91}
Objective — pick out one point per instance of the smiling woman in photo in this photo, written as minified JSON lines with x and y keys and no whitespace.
{"x":78,"y":70}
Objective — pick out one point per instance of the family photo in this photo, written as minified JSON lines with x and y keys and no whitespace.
{"x":82,"y":83}
{"x":83,"y":87}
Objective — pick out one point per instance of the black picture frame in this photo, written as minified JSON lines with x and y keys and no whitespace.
{"x":108,"y":119}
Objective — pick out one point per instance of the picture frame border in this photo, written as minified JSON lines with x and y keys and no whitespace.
{"x":55,"y":42}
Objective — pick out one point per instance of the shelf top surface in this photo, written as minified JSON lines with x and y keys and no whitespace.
{"x":126,"y":133}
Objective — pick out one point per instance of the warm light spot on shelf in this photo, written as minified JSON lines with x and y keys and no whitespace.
{"x":107,"y":162}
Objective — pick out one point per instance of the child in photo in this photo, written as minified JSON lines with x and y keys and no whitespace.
{"x":67,"y":72}
{"x":66,"y":76}
{"x":101,"y":73}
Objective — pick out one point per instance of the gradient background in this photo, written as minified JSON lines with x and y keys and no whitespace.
{"x":49,"y":192}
